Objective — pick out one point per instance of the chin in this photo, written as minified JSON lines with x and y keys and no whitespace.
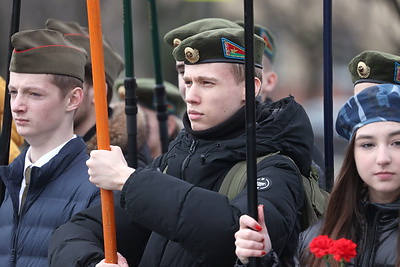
{"x":197,"y":127}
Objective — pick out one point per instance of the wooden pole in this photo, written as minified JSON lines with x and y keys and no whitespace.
{"x":103,"y":138}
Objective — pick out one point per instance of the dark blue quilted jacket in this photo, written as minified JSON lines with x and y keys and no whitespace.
{"x":58,"y":189}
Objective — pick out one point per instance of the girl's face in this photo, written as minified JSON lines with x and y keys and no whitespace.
{"x":377,"y":157}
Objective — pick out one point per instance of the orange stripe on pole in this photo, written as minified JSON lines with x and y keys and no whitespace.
{"x":103,"y":137}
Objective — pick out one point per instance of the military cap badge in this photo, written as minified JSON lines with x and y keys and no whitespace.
{"x":192,"y":55}
{"x":363,"y":70}
{"x":232,"y":50}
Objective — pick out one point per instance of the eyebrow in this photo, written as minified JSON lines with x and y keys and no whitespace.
{"x":27,"y":88}
{"x":368,"y":136}
{"x":201,"y":78}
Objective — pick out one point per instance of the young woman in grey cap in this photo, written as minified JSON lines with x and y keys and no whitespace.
{"x":365,"y":201}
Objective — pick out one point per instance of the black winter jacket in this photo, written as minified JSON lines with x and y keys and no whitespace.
{"x":378,"y":235}
{"x":58,"y":190}
{"x":192,"y":224}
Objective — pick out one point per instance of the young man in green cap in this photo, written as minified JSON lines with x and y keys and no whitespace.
{"x":373,"y":67}
{"x":177,"y":197}
{"x":174,"y":37}
{"x":270,"y":77}
{"x":147,"y":104}
{"x":85,"y":118}
{"x":48,"y":182}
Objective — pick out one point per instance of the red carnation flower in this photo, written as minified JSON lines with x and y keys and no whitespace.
{"x":343,"y":249}
{"x":321,"y":245}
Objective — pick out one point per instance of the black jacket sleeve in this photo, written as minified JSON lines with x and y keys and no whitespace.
{"x":80,"y":242}
{"x":268,"y":260}
{"x":203,"y":221}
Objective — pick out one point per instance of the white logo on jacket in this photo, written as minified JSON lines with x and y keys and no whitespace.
{"x":263,"y":183}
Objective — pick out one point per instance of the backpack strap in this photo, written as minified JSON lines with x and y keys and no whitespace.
{"x":235,"y":179}
{"x":315,"y":198}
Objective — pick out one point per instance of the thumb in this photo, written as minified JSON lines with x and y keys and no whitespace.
{"x":261,"y":219}
{"x":122,"y":261}
{"x":118,"y":150}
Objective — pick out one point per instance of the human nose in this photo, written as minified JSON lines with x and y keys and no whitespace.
{"x":17,"y":103}
{"x":383,"y":157}
{"x":191,"y":96}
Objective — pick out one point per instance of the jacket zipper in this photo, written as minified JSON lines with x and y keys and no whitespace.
{"x":186,"y":160}
{"x":205,"y":154}
{"x":369,"y":236}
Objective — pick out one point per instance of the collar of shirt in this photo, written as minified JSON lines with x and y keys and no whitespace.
{"x":39,"y":163}
{"x":46,"y":157}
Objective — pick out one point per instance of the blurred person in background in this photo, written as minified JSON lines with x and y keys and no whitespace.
{"x":85,"y":119}
{"x":146,"y":97}
{"x":16,"y":141}
{"x":372,"y":67}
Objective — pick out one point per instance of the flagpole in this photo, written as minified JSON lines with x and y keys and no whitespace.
{"x":5,"y":137}
{"x":131,"y":109}
{"x":162,"y":114}
{"x":328,"y":109}
{"x":103,"y":138}
{"x":250,"y":115}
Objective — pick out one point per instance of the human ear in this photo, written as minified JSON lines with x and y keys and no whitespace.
{"x":75,"y":97}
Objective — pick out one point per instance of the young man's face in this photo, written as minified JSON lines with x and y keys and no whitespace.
{"x":212,"y":94}
{"x":269,"y":79}
{"x":180,"y":69}
{"x":38,"y":107}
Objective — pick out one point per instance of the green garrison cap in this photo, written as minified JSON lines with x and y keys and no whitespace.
{"x":221,"y":45}
{"x":47,"y":52}
{"x":113,"y":63}
{"x":375,"y":67}
{"x":145,"y":92}
{"x":176,"y":36}
{"x":269,"y":39}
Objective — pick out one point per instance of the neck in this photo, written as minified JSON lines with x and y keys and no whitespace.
{"x":41,"y":147}
{"x":233,"y":126}
{"x":82,"y":127}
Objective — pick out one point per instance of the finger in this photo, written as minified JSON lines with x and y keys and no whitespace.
{"x":249,"y":235}
{"x":261,"y":218}
{"x":243,"y":253}
{"x":122,"y":261}
{"x":246,"y":221}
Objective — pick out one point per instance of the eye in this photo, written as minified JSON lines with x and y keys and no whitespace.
{"x":35,"y":94}
{"x":12,"y":92}
{"x":367,"y":145}
{"x":188,"y":83}
{"x":396,"y":143}
{"x":207,"y":83}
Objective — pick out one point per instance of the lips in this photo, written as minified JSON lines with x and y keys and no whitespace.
{"x":194,"y":115}
{"x":20,"y":121}
{"x":384,"y":175}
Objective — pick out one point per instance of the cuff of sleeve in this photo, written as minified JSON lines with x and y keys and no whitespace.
{"x":270,"y":259}
{"x":124,"y":189}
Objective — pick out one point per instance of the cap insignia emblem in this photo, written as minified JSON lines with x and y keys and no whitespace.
{"x":232,"y":50}
{"x":268,"y":45}
{"x":363,"y":70}
{"x":192,"y":55}
{"x":176,"y":42}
